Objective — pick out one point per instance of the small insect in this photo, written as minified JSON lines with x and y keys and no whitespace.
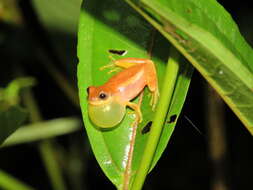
{"x":107,"y":103}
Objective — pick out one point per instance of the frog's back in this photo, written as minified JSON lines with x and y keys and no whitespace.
{"x":129,"y":82}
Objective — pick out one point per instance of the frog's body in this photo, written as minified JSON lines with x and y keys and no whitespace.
{"x":121,"y":89}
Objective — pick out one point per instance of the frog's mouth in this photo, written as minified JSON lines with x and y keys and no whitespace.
{"x":100,"y":102}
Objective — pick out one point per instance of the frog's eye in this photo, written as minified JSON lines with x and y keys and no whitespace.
{"x":107,"y":115}
{"x":103,"y":96}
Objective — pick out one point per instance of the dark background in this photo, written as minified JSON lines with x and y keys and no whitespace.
{"x":186,"y":163}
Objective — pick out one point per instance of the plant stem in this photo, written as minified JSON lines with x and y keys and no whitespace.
{"x":127,"y":173}
{"x":8,"y":182}
{"x":216,"y":131}
{"x":169,"y":82}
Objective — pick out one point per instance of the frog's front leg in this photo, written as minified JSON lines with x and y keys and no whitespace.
{"x":111,"y":65}
{"x":137,"y":110}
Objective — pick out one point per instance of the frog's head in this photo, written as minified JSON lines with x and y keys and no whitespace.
{"x":98,"y":95}
{"x":104,"y":109}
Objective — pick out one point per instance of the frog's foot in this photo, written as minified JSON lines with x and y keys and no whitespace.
{"x":111,"y":58}
{"x":137,"y":111}
{"x":113,"y":70}
{"x":154,"y":99}
{"x":106,"y":66}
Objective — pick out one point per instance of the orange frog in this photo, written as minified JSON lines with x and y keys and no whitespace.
{"x":107,"y":103}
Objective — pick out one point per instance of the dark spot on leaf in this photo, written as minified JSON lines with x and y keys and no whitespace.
{"x":172,"y":118}
{"x":188,"y":10}
{"x":146,"y":129}
{"x":117,"y":52}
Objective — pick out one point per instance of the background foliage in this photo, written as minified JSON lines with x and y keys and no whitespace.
{"x":38,"y":39}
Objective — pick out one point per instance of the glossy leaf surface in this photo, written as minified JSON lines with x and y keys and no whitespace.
{"x":102,"y":28}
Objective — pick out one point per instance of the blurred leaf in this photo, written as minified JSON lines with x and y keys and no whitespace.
{"x":11,"y":114}
{"x":9,"y":11}
{"x":125,"y":31}
{"x":208,"y":37}
{"x":43,"y":130}
{"x":51,"y":15}
{"x":10,"y":120}
{"x":8,"y":182}
{"x":10,"y":95}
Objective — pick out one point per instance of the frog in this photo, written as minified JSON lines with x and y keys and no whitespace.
{"x":107,"y":103}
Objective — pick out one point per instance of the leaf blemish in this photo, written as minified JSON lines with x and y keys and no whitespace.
{"x":172,"y":118}
{"x":146,"y":129}
{"x":118,"y":52}
{"x":168,"y":27}
{"x":188,"y":10}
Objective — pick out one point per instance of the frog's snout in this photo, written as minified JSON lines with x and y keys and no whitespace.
{"x":91,"y":90}
{"x":88,"y":90}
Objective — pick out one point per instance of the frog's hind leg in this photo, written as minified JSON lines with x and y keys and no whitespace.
{"x":152,"y":84}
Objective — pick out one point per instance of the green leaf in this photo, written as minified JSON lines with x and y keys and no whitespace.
{"x":8,"y":182}
{"x":179,"y":95}
{"x":117,"y":26}
{"x":10,"y":95}
{"x":11,"y":114}
{"x":43,"y":130}
{"x":177,"y":79}
{"x":10,"y":120}
{"x":208,"y":37}
{"x":50,"y":13}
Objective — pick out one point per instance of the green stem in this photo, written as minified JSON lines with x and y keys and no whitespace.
{"x":169,"y":82}
{"x":48,"y":156}
{"x":8,"y":182}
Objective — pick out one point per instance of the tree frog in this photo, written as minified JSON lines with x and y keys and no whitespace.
{"x":107,"y":103}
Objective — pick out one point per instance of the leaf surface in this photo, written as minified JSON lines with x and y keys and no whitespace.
{"x":102,"y":28}
{"x":207,"y":36}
